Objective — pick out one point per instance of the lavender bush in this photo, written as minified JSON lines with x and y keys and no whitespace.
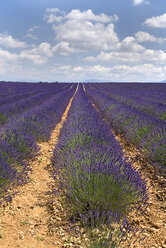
{"x":101,"y":187}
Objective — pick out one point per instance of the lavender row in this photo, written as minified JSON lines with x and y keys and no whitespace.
{"x":100,"y":186}
{"x":13,"y":88}
{"x":18,"y":140}
{"x":32,"y":90}
{"x":153,"y":92}
{"x":17,"y":97}
{"x":9,"y":110}
{"x":146,"y":132}
{"x":149,"y":98}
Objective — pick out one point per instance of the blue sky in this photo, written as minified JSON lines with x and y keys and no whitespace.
{"x":76,"y":40}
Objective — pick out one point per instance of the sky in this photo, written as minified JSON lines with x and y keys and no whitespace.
{"x":76,"y":40}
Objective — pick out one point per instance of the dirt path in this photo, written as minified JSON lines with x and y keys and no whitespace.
{"x":154,"y":220}
{"x":25,"y":222}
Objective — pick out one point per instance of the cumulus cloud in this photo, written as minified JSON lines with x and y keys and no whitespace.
{"x":64,"y":48}
{"x":43,"y":49}
{"x":82,"y":31}
{"x":59,"y":69}
{"x":128,"y":50}
{"x":88,"y":15}
{"x":38,"y":55}
{"x":8,"y":41}
{"x":137,"y":2}
{"x":87,"y":36}
{"x":78,"y":69}
{"x":54,"y":15}
{"x":99,"y":68}
{"x":156,"y":21}
{"x":146,"y":37}
{"x":119,"y":72}
{"x":51,"y":18}
{"x":144,"y":68}
{"x":8,"y":56}
{"x":54,"y":10}
{"x":35,"y":58}
{"x":123,"y":72}
{"x":129,"y":44}
{"x":148,"y":55}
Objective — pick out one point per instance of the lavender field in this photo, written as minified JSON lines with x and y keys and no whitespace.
{"x":100,"y":185}
{"x":138,"y":112}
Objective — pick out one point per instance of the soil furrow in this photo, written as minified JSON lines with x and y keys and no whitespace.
{"x":24,"y":223}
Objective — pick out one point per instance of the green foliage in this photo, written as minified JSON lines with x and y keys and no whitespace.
{"x":163,"y":117}
{"x":127,"y":121}
{"x":1,"y":234}
{"x":3,"y":118}
{"x":111,"y":107}
{"x":159,"y":155}
{"x":24,"y":222}
{"x":2,"y":180}
{"x":140,"y":132}
{"x":94,"y":190}
{"x":103,"y":237}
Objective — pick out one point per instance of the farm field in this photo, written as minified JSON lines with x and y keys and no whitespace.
{"x":82,"y":165}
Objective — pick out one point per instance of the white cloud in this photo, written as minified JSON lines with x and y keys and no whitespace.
{"x":114,"y":57}
{"x":156,"y":21}
{"x":137,"y":2}
{"x":44,"y":49}
{"x":54,"y":15}
{"x":88,"y":15}
{"x":146,"y":37}
{"x":3,"y":66}
{"x":144,"y":68}
{"x":124,"y":72}
{"x":8,"y":41}
{"x":51,"y":18}
{"x":75,"y":14}
{"x":64,"y":67}
{"x":86,"y":36}
{"x":78,"y":69}
{"x":119,"y":72}
{"x":149,"y":55}
{"x":54,"y":10}
{"x":129,"y":44}
{"x":39,"y":55}
{"x":154,"y":55}
{"x":64,"y":48}
{"x":30,"y":32}
{"x":35,"y":58}
{"x":33,"y":28}
{"x":99,"y":69}
{"x":82,"y":31}
{"x":32,"y":36}
{"x":8,"y":56}
{"x":59,"y":69}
